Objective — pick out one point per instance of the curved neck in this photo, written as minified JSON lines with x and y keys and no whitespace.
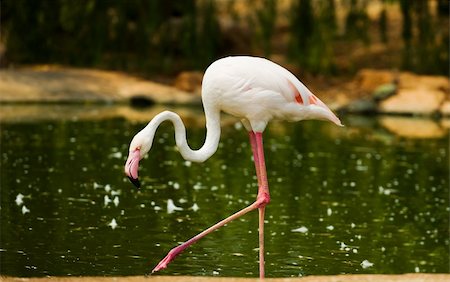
{"x":212,"y":134}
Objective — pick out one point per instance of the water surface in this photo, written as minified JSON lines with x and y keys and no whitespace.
{"x":358,"y":199}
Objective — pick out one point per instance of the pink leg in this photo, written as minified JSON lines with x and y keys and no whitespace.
{"x":263,"y":197}
{"x":252,"y":136}
{"x":261,"y":201}
{"x":177,"y":250}
{"x":263,"y":190}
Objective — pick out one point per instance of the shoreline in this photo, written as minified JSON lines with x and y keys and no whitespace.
{"x":369,"y":92}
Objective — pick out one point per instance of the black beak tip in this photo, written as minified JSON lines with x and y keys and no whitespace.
{"x":135,"y":181}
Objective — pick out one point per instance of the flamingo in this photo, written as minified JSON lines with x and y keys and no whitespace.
{"x":254,"y":89}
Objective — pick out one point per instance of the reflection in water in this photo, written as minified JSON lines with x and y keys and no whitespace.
{"x":351,"y":200}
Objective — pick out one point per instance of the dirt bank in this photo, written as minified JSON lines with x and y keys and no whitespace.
{"x":369,"y":91}
{"x":56,"y":84}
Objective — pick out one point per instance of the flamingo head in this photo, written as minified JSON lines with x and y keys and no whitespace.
{"x":139,"y":147}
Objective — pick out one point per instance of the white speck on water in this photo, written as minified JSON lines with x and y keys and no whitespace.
{"x":182,"y":201}
{"x":106,"y":200}
{"x":113,"y":223}
{"x":355,"y":251}
{"x":187,"y":163}
{"x":330,"y":227}
{"x":215,"y":272}
{"x":385,"y":191}
{"x":25,"y":210}
{"x":238,"y":126}
{"x":352,"y":225}
{"x":342,"y":246}
{"x":176,"y":186}
{"x":329,"y":211}
{"x":59,"y":191}
{"x":237,"y":254}
{"x":19,"y":199}
{"x":195,"y":207}
{"x":157,"y":208}
{"x":96,"y":185}
{"x":366,"y":264}
{"x":214,"y":188}
{"x":107,"y":188}
{"x":115,"y":192}
{"x":302,"y":229}
{"x":361,"y":168}
{"x":116,"y":201}
{"x":223,"y":167}
{"x":171,"y":206}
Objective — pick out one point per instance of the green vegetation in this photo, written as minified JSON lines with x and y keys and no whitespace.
{"x":168,"y":36}
{"x":312,"y":34}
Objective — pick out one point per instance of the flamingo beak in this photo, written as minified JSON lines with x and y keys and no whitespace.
{"x":132,"y":166}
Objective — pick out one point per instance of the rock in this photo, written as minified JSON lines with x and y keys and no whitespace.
{"x":362,"y":106}
{"x":410,"y":80}
{"x":368,"y":88}
{"x":189,"y":81}
{"x":398,"y":93}
{"x":421,"y":100}
{"x":369,"y":80}
{"x":417,"y":94}
{"x":384,"y":91}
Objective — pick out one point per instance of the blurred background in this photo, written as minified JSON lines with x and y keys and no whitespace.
{"x":79,"y":78}
{"x":330,"y":37}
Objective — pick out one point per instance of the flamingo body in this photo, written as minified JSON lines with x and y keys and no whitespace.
{"x":258,"y":90}
{"x":253,"y":89}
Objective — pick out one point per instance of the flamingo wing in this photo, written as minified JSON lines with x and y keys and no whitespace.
{"x":247,"y":74}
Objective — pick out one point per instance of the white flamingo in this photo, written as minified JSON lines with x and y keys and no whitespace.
{"x":253,"y":89}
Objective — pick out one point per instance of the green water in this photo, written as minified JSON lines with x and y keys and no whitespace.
{"x":361,"y":192}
